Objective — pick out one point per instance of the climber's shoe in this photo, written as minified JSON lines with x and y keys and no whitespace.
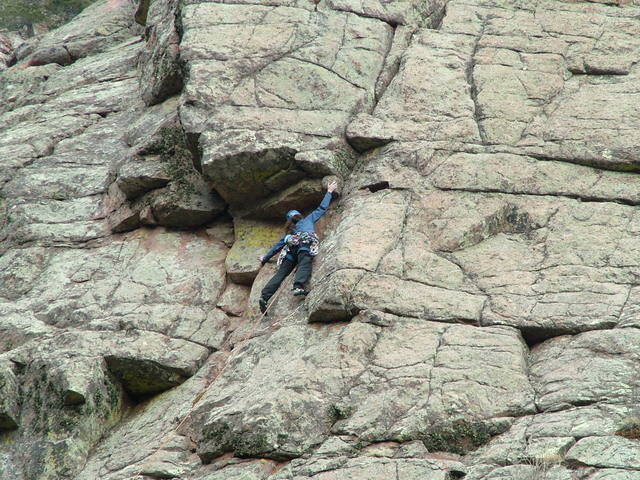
{"x":300,"y":291}
{"x":263,"y":305}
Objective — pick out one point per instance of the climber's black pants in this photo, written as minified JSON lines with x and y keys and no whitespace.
{"x":303,"y":260}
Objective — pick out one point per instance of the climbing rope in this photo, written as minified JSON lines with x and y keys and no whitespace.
{"x":194,"y":403}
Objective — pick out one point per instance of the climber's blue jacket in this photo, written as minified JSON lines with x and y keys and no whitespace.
{"x":307,"y":224}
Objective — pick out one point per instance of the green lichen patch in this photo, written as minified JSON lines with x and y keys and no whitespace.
{"x":166,"y":141}
{"x":15,"y":14}
{"x":142,"y":12}
{"x":220,"y":438}
{"x":143,"y":378}
{"x":630,"y":428}
{"x":338,"y":412}
{"x":250,"y":176}
{"x":170,"y":144}
{"x":7,"y":422}
{"x":459,"y":436}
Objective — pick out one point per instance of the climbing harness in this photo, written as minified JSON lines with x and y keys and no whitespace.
{"x":297,"y":240}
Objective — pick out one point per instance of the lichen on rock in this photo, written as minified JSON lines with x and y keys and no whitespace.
{"x":474,"y":304}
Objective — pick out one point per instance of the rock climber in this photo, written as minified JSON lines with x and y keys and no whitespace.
{"x":297,"y":247}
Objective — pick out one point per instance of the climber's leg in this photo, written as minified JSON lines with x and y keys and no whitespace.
{"x":272,"y":285}
{"x":303,"y":274}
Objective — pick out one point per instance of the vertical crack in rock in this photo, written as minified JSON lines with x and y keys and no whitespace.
{"x":434,"y":363}
{"x":387,"y":72}
{"x":394,"y":245}
{"x":626,"y":302}
{"x":437,"y":17}
{"x":472,"y":83}
{"x":487,"y":301}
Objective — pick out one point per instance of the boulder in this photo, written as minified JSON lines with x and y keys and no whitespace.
{"x":56,"y":54}
{"x":141,"y":175}
{"x":606,"y":451}
{"x":186,"y":202}
{"x":245,"y":176}
{"x":160,"y":74}
{"x":253,"y":238}
{"x":366,"y":133}
{"x":234,"y":299}
{"x":561,"y":380}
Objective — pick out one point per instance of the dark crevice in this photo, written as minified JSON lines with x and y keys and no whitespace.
{"x":364,"y":144}
{"x":609,"y":3}
{"x":388,"y":21}
{"x":320,"y":65}
{"x":178,"y":21}
{"x":598,"y":72}
{"x":455,"y":475}
{"x":585,"y":403}
{"x":581,"y":198}
{"x":477,"y":110}
{"x":393,"y":68}
{"x":533,"y":336}
{"x":142,"y":12}
{"x":375,"y":187}
{"x":192,"y":141}
{"x":436,"y":19}
{"x":633,"y":167}
{"x":73,"y":59}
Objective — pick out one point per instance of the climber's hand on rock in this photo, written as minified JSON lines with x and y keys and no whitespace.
{"x":261,"y":258}
{"x":332,"y":187}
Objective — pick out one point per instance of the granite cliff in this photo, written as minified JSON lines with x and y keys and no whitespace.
{"x":475,"y":308}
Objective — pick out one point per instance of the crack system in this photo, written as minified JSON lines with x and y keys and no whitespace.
{"x":472,"y":83}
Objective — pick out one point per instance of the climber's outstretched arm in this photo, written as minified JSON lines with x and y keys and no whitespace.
{"x":275,"y":249}
{"x":324,"y":205}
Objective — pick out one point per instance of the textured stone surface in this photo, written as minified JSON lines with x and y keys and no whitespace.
{"x":587,"y":368}
{"x":546,"y":437}
{"x":337,"y":458}
{"x":613,"y":452}
{"x":9,"y":399}
{"x":57,"y":54}
{"x":252,"y":239}
{"x":95,"y":29}
{"x":234,"y":299}
{"x":368,"y":395}
{"x":160,"y":75}
{"x":474,"y":306}
{"x":9,"y":41}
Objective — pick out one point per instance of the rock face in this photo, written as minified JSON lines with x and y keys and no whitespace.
{"x":38,"y":16}
{"x":474,"y":306}
{"x":9,"y":42}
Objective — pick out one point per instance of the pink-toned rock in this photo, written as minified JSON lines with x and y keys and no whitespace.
{"x":234,"y":299}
